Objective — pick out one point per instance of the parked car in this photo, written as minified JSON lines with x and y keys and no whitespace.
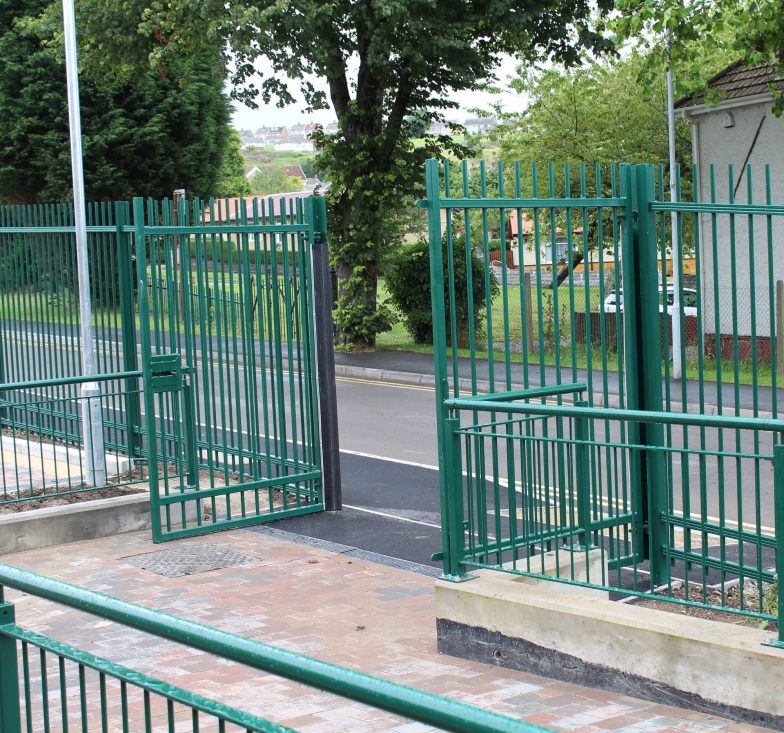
{"x":613,"y":303}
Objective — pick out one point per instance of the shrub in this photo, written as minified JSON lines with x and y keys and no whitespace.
{"x":408,"y":282}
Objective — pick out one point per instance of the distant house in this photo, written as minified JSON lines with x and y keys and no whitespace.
{"x":740,"y":130}
{"x":251,"y":171}
{"x":480,"y":125}
{"x":295,"y":171}
{"x":293,"y":144}
{"x":303,"y":129}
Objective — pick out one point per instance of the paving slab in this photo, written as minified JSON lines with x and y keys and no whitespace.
{"x":316,"y":600}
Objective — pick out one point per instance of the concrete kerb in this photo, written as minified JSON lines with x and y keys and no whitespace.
{"x":483,"y":386}
{"x":86,"y":520}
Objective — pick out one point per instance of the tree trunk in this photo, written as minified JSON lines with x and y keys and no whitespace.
{"x":564,"y":273}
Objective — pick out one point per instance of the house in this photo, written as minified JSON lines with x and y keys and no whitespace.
{"x":273,"y":209}
{"x":739,"y":131}
{"x":250,"y":171}
{"x":480,"y":125}
{"x":295,"y":171}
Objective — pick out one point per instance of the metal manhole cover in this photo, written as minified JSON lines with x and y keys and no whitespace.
{"x":189,"y":560}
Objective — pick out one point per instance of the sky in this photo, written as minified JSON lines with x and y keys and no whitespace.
{"x":271,"y":116}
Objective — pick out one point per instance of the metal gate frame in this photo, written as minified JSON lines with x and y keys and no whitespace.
{"x":483,"y":438}
{"x":267,"y":471}
{"x":642,"y":368}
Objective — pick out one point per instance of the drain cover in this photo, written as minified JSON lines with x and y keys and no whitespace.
{"x":189,"y":560}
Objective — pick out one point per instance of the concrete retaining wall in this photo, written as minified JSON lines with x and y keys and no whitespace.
{"x":85,"y":520}
{"x":538,"y":627}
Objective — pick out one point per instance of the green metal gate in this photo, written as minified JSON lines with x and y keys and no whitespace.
{"x":510,"y":487}
{"x":567,"y":449}
{"x":226,"y":322}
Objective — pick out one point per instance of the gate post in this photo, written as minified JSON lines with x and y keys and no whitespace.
{"x":10,"y":714}
{"x":133,"y":412}
{"x":323,"y":301}
{"x":642,"y":340}
{"x":140,"y":239}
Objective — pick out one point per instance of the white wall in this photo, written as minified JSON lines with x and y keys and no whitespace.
{"x":723,"y":146}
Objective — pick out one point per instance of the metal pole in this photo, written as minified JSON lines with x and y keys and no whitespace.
{"x":177,"y":196}
{"x":677,"y":362}
{"x":323,"y":300}
{"x":95,"y":458}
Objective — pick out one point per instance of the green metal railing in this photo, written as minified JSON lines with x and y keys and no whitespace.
{"x":563,"y":506}
{"x":41,"y":450}
{"x":88,"y":692}
{"x":39,"y":309}
{"x":677,"y":505}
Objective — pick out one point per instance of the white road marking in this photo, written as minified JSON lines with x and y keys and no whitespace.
{"x":391,"y":516}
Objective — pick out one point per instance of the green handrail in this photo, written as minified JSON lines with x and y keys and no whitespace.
{"x":411,"y":703}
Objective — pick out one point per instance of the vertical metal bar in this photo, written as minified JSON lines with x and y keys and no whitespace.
{"x":440,"y":352}
{"x":529,"y":317}
{"x":10,"y":713}
{"x":130,"y":361}
{"x":654,"y":485}
{"x":779,"y":326}
{"x":325,"y":355}
{"x":146,"y":349}
{"x":455,"y":568}
{"x":582,"y":434}
{"x":778,"y":499}
{"x":642,"y":331}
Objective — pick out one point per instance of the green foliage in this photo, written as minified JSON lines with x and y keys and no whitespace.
{"x":407,"y":279}
{"x":699,"y":38}
{"x":770,"y":597}
{"x":382,"y":61}
{"x":596,"y":113}
{"x":231,"y":177}
{"x":274,"y":180}
{"x":142,"y":136}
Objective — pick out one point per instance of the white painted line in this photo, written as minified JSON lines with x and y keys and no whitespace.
{"x":388,"y":459}
{"x":391,"y":516}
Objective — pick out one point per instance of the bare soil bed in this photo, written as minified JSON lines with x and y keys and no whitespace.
{"x":50,"y":499}
{"x":731,"y":599}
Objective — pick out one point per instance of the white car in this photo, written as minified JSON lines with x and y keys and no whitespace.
{"x":614,"y":301}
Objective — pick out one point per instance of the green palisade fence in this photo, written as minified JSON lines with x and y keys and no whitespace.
{"x":587,"y":452}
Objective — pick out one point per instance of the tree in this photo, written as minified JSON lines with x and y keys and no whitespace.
{"x":408,"y":55}
{"x":143,"y":136}
{"x":599,"y":113}
{"x":231,"y":177}
{"x":691,"y":37}
{"x":274,"y":180}
{"x":596,"y":113}
{"x":408,"y":281}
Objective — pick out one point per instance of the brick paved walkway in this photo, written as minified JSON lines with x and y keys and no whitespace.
{"x":340,"y":609}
